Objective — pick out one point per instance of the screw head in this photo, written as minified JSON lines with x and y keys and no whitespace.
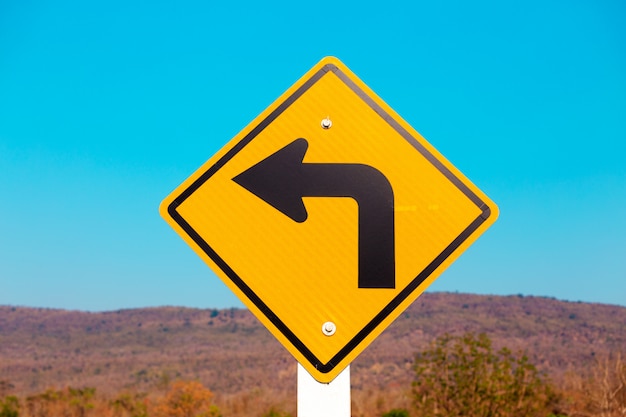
{"x":329,"y":328}
{"x":326,"y":123}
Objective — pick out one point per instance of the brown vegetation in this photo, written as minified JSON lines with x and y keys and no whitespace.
{"x":129,"y":353}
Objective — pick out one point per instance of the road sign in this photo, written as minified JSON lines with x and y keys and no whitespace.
{"x":328,"y":215}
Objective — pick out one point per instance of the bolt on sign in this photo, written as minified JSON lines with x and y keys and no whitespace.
{"x":328,"y":215}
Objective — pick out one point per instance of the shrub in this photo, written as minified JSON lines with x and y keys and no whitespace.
{"x":187,"y":399}
{"x":396,"y":412}
{"x":463,"y":376}
{"x":9,"y":407}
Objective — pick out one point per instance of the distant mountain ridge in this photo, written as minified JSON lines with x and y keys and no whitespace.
{"x":230,"y":351}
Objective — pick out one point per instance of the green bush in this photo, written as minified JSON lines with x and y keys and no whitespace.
{"x":396,"y":412}
{"x":273,"y":412}
{"x":463,"y":376}
{"x":9,"y":407}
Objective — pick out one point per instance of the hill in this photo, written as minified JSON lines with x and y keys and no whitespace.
{"x":230,"y":352}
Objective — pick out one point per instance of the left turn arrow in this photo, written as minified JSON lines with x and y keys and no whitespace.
{"x":283,"y":179}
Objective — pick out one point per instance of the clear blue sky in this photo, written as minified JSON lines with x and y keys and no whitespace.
{"x":105,"y":107}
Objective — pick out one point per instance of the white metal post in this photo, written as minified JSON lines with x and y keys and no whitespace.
{"x":323,"y":400}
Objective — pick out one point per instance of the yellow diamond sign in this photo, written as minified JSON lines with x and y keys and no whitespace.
{"x":328,"y":215}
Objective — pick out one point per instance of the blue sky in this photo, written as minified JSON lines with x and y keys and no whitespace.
{"x":106,"y":107}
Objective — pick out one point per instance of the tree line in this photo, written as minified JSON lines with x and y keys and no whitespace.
{"x":456,"y":376}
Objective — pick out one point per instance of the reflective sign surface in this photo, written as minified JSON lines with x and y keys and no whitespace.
{"x":328,"y":215}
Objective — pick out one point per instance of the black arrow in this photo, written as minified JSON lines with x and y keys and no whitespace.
{"x":282,"y":179}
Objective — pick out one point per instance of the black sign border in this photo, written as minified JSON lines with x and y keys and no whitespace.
{"x":412,"y":286}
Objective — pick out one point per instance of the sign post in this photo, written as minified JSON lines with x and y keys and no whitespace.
{"x":328,"y":215}
{"x":316,"y":399}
